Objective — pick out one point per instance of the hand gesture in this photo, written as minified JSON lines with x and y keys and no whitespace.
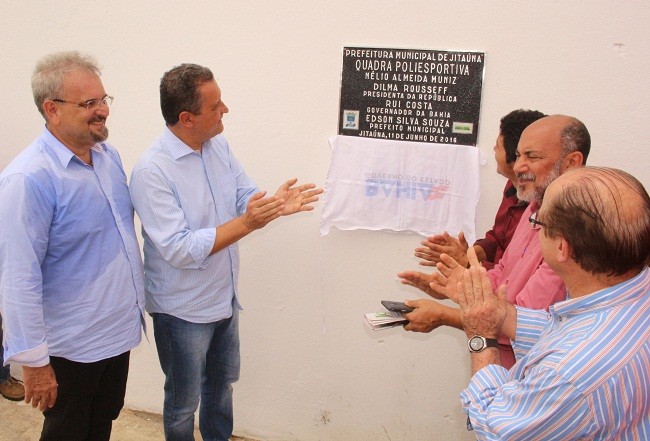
{"x":482,"y":312}
{"x":419,"y":280}
{"x":40,"y":386}
{"x":299,"y":198}
{"x":260,"y":210}
{"x":433,"y":247}
{"x":440,"y":285}
{"x":443,"y":283}
{"x":427,"y":316}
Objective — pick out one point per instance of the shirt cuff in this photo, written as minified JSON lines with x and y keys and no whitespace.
{"x":37,"y":357}
{"x":202,"y":243}
{"x":482,"y":389}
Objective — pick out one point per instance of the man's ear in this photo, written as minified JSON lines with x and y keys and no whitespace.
{"x":51,"y":111}
{"x":563,"y":250}
{"x":573,"y":160}
{"x":186,"y":119}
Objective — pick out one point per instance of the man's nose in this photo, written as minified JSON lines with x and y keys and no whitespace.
{"x":520,"y":165}
{"x":103,"y":110}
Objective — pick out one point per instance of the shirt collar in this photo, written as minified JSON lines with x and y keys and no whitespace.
{"x":63,"y":154}
{"x":177,"y":148}
{"x":624,"y":292}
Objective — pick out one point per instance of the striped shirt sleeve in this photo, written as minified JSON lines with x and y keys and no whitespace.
{"x":541,"y":406}
{"x":530,"y":325}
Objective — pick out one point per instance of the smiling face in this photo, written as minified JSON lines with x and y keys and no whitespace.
{"x":539,"y":158}
{"x":75,"y":126}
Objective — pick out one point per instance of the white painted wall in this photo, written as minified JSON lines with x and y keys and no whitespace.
{"x":311,"y":370}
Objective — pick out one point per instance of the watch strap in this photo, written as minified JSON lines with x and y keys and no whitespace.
{"x":491,"y":343}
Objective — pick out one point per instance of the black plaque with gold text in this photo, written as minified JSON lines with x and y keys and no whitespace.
{"x":411,"y":94}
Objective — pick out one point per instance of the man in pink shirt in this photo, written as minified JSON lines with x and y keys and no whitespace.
{"x":547,"y":148}
{"x":490,"y":249}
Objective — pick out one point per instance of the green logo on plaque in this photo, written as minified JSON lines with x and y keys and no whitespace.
{"x":462,"y":127}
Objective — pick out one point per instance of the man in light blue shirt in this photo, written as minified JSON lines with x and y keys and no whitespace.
{"x":71,"y":276}
{"x":195,"y":202}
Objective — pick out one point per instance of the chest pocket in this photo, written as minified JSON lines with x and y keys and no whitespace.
{"x":224,"y":191}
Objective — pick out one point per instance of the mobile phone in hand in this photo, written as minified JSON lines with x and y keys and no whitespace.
{"x":396,"y":306}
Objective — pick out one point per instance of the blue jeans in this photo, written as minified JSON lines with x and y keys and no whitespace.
{"x":4,"y":370}
{"x":200,"y":360}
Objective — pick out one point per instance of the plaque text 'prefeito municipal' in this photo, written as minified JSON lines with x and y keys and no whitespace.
{"x":411,"y":94}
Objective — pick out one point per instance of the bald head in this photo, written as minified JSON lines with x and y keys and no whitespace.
{"x":551,"y":126}
{"x":547,"y":148}
{"x":604,"y":215}
{"x":566,"y":132}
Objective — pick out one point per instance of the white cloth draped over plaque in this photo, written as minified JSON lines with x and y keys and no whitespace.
{"x":401,"y":186}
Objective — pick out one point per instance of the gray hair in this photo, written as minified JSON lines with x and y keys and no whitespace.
{"x":51,"y":70}
{"x":575,"y":138}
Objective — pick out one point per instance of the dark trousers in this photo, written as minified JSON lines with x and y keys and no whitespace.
{"x":5,"y":373}
{"x":90,"y":396}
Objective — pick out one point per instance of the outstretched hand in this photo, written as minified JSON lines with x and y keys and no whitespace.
{"x":260,"y":210}
{"x":419,"y":280}
{"x":439,"y":285}
{"x":443,"y":283}
{"x":450,"y":273}
{"x":433,"y":247}
{"x":298,"y":198}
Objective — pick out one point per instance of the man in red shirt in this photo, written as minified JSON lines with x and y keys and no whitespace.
{"x":490,"y":249}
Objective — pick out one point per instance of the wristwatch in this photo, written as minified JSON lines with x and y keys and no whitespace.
{"x":478,"y":343}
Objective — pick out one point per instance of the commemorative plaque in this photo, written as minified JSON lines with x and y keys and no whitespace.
{"x":411,"y":94}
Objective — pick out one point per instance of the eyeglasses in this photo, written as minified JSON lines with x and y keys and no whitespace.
{"x":90,"y":104}
{"x":534,"y":223}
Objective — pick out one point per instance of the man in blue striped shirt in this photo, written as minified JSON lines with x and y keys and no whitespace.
{"x":195,"y":202}
{"x":583,"y":368}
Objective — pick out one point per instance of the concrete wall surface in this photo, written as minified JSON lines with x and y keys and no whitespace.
{"x":311,"y":370}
